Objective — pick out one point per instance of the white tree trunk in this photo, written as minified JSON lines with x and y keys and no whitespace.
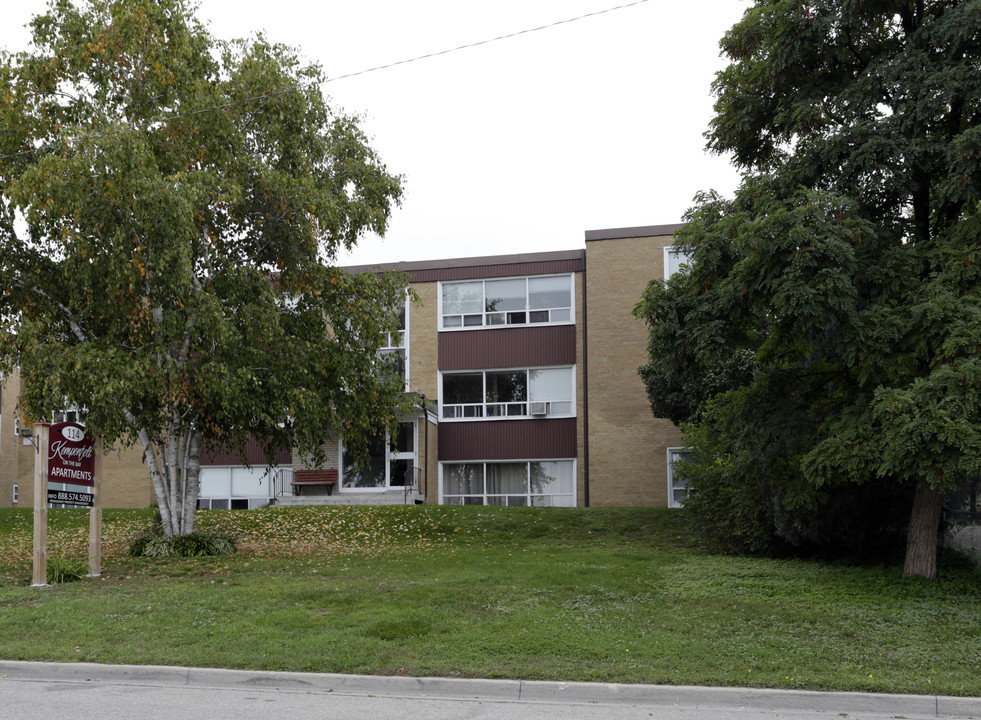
{"x":174,"y":463}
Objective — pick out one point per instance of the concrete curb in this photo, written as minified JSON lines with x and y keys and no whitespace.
{"x":530,"y":691}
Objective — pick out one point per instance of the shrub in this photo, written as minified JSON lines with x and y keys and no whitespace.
{"x":62,"y":569}
{"x":196,"y":544}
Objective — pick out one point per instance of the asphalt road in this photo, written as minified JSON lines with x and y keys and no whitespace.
{"x":49,"y":691}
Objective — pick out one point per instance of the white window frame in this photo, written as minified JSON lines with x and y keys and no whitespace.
{"x":573,"y":496}
{"x":248,"y":501}
{"x":672,"y":500}
{"x":399,"y":341}
{"x":390,"y":455}
{"x":670,"y":250}
{"x":484,"y":325}
{"x":483,"y":405}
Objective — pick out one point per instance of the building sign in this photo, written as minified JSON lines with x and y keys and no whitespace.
{"x":71,"y":455}
{"x":67,"y":497}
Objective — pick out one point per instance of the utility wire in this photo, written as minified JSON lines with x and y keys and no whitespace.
{"x":485,"y":42}
{"x":300,"y":86}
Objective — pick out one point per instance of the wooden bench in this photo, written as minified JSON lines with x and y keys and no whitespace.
{"x":304,"y":478}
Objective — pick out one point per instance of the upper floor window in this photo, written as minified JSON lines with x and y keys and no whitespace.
{"x":536,"y":392}
{"x":395,"y":350}
{"x":511,"y":301}
{"x":674,"y":259}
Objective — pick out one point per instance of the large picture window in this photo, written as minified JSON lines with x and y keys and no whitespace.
{"x":235,"y":487}
{"x":534,"y":392}
{"x":511,"y":301}
{"x":385,"y":468}
{"x":535,"y":483}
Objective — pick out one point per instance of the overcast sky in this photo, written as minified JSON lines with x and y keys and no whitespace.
{"x":518,"y":145}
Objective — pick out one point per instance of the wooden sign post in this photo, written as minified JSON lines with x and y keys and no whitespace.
{"x":40,"y":506}
{"x":95,"y":516}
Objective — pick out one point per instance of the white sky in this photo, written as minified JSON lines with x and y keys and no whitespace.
{"x":519,"y":145}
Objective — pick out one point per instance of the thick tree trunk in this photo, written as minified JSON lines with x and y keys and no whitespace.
{"x":175,"y":470}
{"x":924,"y":528}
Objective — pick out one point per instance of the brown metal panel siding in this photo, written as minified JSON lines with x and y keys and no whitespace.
{"x":503,"y":270}
{"x":644,"y":231}
{"x":254,"y":453}
{"x":509,"y":347}
{"x":508,"y":440}
{"x":496,"y":266}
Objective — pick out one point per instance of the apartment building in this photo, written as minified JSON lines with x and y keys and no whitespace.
{"x":524,"y":372}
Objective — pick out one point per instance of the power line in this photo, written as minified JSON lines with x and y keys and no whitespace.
{"x":485,"y":42}
{"x":300,"y":86}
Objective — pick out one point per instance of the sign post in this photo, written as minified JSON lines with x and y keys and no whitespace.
{"x":95,"y":516}
{"x":40,"y":506}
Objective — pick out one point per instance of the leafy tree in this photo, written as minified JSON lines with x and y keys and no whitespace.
{"x":170,"y":209}
{"x":827,"y":331}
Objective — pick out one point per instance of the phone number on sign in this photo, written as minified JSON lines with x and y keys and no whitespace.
{"x":66,"y":497}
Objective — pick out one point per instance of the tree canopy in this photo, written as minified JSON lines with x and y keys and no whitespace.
{"x":171,"y":208}
{"x":826,"y":333}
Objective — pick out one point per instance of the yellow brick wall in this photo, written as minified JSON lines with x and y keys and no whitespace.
{"x":424,"y":379}
{"x":428,"y":457}
{"x":423,"y":346}
{"x":627,"y":445}
{"x":580,"y":396}
{"x":127,"y":480}
{"x":16,"y":460}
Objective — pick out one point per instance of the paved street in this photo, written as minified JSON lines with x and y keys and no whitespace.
{"x":30,"y":691}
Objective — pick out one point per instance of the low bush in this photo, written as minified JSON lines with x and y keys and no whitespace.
{"x":195,"y":544}
{"x":62,"y":569}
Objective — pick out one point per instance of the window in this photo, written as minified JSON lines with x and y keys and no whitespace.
{"x":71,"y":413}
{"x":508,"y":393}
{"x":385,"y":468}
{"x":536,"y":483}
{"x":511,"y":301}
{"x":395,"y":350}
{"x":677,"y":486}
{"x":235,"y":487}
{"x":674,"y":260}
{"x":16,"y":493}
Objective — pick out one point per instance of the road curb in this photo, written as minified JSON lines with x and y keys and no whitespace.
{"x":531,"y":691}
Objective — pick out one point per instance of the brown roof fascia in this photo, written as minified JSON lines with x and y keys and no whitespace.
{"x":633,"y":232}
{"x":450,"y":267}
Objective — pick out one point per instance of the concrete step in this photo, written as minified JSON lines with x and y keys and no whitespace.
{"x":390,"y":497}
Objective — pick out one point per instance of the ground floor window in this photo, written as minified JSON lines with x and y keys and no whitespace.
{"x":677,"y":482}
{"x":537,"y":483}
{"x":235,"y":487}
{"x":385,"y":467}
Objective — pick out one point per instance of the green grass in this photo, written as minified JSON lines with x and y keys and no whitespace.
{"x":609,"y":595}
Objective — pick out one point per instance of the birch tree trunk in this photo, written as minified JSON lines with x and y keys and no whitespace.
{"x":174,"y":463}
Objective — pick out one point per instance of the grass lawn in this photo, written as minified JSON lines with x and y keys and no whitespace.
{"x":615,"y":595}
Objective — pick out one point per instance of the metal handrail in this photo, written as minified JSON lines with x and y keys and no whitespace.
{"x":281,"y":480}
{"x":413,"y":486}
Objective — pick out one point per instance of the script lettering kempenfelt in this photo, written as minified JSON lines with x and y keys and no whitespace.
{"x":68,"y":453}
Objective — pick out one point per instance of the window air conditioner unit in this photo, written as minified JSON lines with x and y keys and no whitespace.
{"x":539,"y":408}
